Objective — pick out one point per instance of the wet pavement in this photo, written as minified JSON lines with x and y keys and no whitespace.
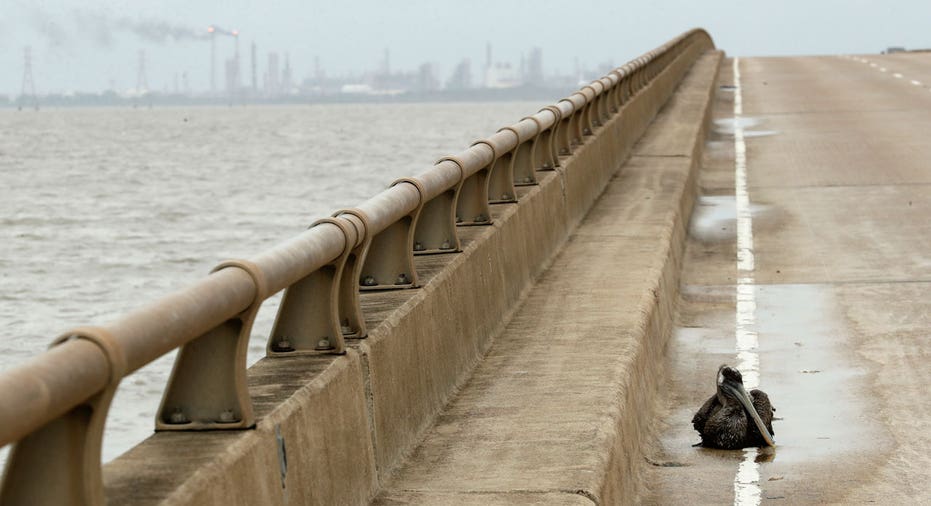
{"x":838,"y":179}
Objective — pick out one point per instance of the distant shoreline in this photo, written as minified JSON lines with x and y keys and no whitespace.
{"x":174,"y":100}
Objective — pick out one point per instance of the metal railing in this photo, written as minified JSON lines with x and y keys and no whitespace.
{"x":53,"y":407}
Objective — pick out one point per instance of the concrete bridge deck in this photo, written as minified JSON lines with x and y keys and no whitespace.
{"x":837,"y":169}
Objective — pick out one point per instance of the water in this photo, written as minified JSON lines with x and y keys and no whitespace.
{"x":102,"y":210}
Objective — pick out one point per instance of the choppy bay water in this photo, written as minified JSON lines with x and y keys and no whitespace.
{"x":102,"y":210}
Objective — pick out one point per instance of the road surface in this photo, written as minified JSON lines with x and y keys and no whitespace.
{"x":829,"y":305}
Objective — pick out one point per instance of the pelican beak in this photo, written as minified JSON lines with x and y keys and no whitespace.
{"x":741,"y":394}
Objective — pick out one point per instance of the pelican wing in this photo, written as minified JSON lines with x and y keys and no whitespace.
{"x":704,"y":412}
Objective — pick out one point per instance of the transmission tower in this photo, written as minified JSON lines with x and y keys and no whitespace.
{"x":29,"y":84}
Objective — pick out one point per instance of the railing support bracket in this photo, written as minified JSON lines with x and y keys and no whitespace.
{"x":60,"y":462}
{"x":207,"y":388}
{"x":308,"y":320}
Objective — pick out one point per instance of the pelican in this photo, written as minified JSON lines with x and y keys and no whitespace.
{"x":723,"y":421}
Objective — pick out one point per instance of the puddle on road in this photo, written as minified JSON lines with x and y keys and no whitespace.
{"x":802,"y":330}
{"x":748,"y":124}
{"x":759,"y":133}
{"x":714,"y":217}
{"x":806,"y":366}
{"x":824,"y":425}
{"x":726,"y":125}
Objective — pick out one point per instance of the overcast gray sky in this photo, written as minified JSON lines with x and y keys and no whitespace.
{"x":85,"y":44}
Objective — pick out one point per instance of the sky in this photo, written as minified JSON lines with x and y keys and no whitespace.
{"x":89,"y":45}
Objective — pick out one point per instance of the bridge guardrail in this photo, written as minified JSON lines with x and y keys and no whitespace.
{"x":53,"y":407}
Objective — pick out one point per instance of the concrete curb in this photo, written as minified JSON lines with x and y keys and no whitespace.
{"x":642,"y":384}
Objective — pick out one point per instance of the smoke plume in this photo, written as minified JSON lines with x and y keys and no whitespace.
{"x":48,"y":26}
{"x":101,"y":28}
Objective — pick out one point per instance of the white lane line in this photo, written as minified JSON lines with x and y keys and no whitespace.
{"x":747,"y":481}
{"x":897,"y":75}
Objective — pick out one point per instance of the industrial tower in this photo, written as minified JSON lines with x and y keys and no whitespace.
{"x":255,"y":76}
{"x":213,"y":59}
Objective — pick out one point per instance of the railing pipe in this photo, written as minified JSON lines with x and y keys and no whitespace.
{"x":504,"y":141}
{"x":546,"y":118}
{"x":49,"y":385}
{"x":294,"y":259}
{"x":389,"y":206}
{"x":440,"y":178}
{"x":155,"y":329}
{"x":475,"y":158}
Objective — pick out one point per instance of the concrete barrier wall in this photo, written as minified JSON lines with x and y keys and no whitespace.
{"x":330,"y":430}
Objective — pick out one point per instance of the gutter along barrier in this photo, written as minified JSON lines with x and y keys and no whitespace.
{"x":55,"y":405}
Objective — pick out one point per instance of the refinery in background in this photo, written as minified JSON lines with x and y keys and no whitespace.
{"x":269,"y":77}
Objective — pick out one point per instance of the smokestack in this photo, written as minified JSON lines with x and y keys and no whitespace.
{"x":255,"y":77}
{"x":213,"y":59}
{"x":286,"y":74}
{"x":237,"y":82}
